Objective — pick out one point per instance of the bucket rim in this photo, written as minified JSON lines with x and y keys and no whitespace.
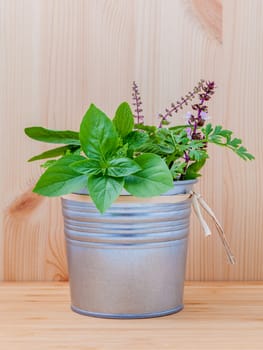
{"x":177,"y":183}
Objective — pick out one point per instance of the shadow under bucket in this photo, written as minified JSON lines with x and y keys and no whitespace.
{"x":130,"y":261}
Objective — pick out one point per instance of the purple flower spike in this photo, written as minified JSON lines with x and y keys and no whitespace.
{"x":137,"y":104}
{"x":180,"y":103}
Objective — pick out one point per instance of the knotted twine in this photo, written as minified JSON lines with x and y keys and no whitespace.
{"x":197,"y":200}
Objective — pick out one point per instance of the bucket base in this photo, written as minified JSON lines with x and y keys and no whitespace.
{"x":127,"y":316}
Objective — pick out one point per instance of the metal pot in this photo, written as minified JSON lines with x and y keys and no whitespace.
{"x":130,"y":261}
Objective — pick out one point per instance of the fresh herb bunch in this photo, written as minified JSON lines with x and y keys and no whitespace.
{"x":107,"y":155}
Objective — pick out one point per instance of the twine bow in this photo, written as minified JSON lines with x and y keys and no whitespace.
{"x":197,"y":199}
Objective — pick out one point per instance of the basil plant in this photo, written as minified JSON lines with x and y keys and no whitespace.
{"x":109,"y":155}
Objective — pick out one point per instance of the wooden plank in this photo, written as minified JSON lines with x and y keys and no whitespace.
{"x":220,"y":316}
{"x":59,"y":56}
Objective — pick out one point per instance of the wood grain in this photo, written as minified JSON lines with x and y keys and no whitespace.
{"x":209,"y":13}
{"x":220,"y":316}
{"x":59,"y":56}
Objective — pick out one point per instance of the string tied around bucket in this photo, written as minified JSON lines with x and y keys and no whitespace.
{"x":199,"y":201}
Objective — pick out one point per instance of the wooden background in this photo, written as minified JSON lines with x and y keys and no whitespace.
{"x":58,"y":56}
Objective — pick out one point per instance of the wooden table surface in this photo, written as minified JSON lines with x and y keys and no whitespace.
{"x":37,"y":316}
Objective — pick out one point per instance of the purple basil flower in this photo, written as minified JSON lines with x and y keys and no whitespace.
{"x":204,"y":115}
{"x":188,"y":115}
{"x":189,"y":133}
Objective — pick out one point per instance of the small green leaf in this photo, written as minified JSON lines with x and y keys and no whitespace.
{"x":235,"y":142}
{"x":179,"y":128}
{"x":243,"y":153}
{"x":122,"y":167}
{"x":98,"y":136}
{"x":151,"y":147}
{"x":197,"y":154}
{"x":55,"y":152}
{"x":207,"y":130}
{"x":135,"y":139}
{"x":48,"y":163}
{"x":177,"y":169}
{"x":222,"y":137}
{"x":104,"y":190}
{"x":154,"y":178}
{"x":149,"y":128}
{"x":69,"y":159}
{"x":87,"y":166}
{"x":123,"y":120}
{"x":60,"y":179}
{"x":165,"y":122}
{"x":53,"y":136}
{"x":122,"y":151}
{"x":192,"y":172}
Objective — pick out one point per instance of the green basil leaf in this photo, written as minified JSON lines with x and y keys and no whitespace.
{"x":122,"y":167}
{"x":55,"y":152}
{"x":98,"y":136}
{"x":123,"y":120}
{"x":48,"y":163}
{"x":104,"y":190}
{"x":122,"y":151}
{"x":60,"y":179}
{"x":87,"y":166}
{"x":149,"y":128}
{"x":135,"y":139}
{"x":69,"y":159}
{"x":53,"y":136}
{"x":154,"y":178}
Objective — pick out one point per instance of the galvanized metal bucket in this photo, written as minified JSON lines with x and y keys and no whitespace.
{"x":130,"y":261}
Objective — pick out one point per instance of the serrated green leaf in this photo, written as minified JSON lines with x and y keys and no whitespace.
{"x":60,"y":179}
{"x":123,"y":120}
{"x":207,"y":130}
{"x":154,"y":178}
{"x":192,"y":172}
{"x":104,"y":190}
{"x":177,"y":169}
{"x":121,"y":167}
{"x":87,"y":166}
{"x":217,"y":139}
{"x":243,"y":153}
{"x":53,"y":136}
{"x":55,"y":152}
{"x":98,"y":136}
{"x":197,"y":155}
{"x":235,"y":142}
{"x":219,"y":135}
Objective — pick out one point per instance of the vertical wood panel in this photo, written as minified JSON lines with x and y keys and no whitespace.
{"x":243,"y":61}
{"x":61,"y":55}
